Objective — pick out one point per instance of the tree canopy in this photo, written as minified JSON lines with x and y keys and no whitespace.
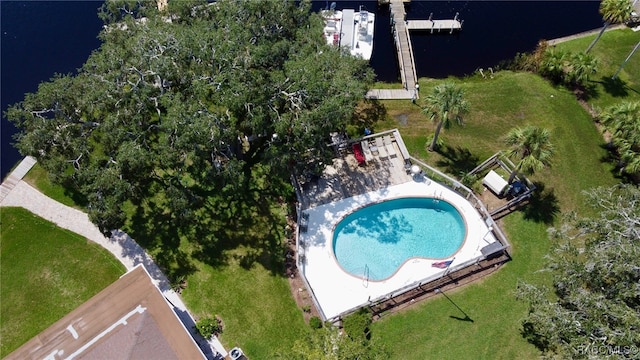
{"x":594,"y":310}
{"x":329,"y":343}
{"x":571,"y":69}
{"x":177,"y":105}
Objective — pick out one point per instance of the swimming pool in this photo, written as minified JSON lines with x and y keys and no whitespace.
{"x":374,"y":241}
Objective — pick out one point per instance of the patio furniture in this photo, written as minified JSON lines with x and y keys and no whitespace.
{"x":366,"y":150}
{"x":382,"y":152}
{"x":495,"y":183}
{"x":357,"y":152}
{"x":389,"y":145}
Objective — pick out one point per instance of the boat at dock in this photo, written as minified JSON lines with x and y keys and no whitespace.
{"x":351,"y":29}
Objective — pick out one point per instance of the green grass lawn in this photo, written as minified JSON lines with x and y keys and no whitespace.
{"x":433,"y":329}
{"x":499,"y":104}
{"x":45,"y":273}
{"x":38,"y":178}
{"x":256,"y":307}
{"x":611,"y":50}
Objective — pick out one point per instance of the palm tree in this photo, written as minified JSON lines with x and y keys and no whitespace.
{"x":612,"y":11}
{"x":552,"y":64}
{"x":444,"y":104}
{"x":531,"y":145}
{"x":582,"y":66}
{"x":569,"y":68}
{"x":623,"y":121}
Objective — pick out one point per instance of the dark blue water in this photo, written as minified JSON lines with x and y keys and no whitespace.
{"x":492,"y":31}
{"x":41,"y":38}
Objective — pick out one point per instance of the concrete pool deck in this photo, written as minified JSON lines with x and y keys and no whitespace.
{"x":337,"y":292}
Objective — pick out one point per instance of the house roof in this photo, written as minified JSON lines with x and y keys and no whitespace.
{"x":130,"y":319}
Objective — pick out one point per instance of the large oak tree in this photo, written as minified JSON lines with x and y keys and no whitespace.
{"x":594,"y":308}
{"x":177,"y":105}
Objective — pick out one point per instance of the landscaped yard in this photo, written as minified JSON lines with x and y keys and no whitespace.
{"x":497,"y":105}
{"x":45,"y":273}
{"x":241,"y":281}
{"x":611,"y":50}
{"x":433,"y":328}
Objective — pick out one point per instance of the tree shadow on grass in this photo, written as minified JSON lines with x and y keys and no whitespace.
{"x":244,"y":227}
{"x":543,"y":205}
{"x":368,"y":113}
{"x":71,"y":190}
{"x":613,"y":157}
{"x":587,"y":91}
{"x":229,"y":224}
{"x":614,"y":87}
{"x":159,"y":234}
{"x":457,"y":160}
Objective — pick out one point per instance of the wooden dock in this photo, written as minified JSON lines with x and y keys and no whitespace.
{"x":404,"y":49}
{"x":400,"y":27}
{"x":435,"y":25}
{"x":390,"y":94}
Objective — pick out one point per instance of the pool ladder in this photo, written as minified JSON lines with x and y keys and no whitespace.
{"x":365,"y":278}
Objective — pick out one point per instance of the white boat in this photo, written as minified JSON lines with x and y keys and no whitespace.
{"x":364,"y":22}
{"x":350,"y":29}
{"x":332,"y":26}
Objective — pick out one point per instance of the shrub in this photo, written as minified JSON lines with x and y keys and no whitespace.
{"x":357,"y":324}
{"x":208,"y":327}
{"x":315,"y":322}
{"x":354,"y":131}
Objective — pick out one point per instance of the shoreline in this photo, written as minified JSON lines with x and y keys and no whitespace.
{"x":583,"y":34}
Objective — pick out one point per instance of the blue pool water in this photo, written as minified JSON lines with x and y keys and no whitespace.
{"x":375,"y":241}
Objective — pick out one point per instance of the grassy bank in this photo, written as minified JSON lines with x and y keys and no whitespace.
{"x":499,"y":104}
{"x":45,"y":273}
{"x":611,"y":51}
{"x":38,"y":178}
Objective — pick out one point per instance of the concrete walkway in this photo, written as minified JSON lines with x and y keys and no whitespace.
{"x":585,"y":33}
{"x":15,"y":176}
{"x":15,"y":192}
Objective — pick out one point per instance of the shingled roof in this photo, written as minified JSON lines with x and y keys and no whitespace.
{"x":130,"y":319}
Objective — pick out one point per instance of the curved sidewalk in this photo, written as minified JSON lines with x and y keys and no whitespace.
{"x":20,"y":194}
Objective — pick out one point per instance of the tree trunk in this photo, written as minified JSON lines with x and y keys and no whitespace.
{"x":625,"y":61}
{"x":434,"y":144}
{"x":512,"y":176}
{"x":606,"y":24}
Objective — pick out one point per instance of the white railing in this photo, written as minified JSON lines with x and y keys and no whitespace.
{"x":455,"y":185}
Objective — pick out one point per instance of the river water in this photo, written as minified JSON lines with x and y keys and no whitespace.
{"x":41,"y":38}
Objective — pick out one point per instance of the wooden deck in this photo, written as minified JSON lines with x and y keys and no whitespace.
{"x":15,"y":176}
{"x":345,"y":178}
